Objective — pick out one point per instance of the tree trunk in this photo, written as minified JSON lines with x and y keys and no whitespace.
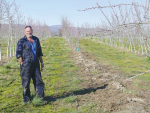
{"x":15,"y":44}
{"x":0,"y":53}
{"x":8,"y":49}
{"x":14,"y":47}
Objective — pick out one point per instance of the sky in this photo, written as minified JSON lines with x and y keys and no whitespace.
{"x":51,"y":11}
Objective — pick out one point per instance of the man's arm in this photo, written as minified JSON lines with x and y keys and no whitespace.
{"x":41,"y":60}
{"x":42,"y":64}
{"x":40,"y":54}
{"x":19,"y":52}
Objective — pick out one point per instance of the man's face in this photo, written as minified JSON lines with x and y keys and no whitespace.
{"x":28,"y":32}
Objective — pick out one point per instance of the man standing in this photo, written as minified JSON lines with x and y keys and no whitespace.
{"x":29,"y":53}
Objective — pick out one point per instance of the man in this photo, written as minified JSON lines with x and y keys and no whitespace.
{"x":29,"y":53}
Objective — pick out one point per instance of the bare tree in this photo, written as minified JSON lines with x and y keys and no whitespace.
{"x":12,"y":23}
{"x":65,"y":26}
{"x":127,"y":26}
{"x":0,"y":28}
{"x":9,"y":9}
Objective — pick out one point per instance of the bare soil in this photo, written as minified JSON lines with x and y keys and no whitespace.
{"x":112,"y":92}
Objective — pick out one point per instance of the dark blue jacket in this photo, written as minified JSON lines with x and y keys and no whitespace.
{"x":24,"y":50}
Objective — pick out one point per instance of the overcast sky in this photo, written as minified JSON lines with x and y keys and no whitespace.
{"x":51,"y":11}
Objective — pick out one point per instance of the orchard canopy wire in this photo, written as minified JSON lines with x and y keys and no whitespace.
{"x":126,"y":27}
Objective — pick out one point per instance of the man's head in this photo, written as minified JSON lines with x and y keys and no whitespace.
{"x":28,"y":31}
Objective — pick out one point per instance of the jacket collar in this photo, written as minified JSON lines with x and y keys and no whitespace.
{"x":34,"y":38}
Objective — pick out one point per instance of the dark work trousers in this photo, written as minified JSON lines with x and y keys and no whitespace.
{"x":31,"y":70}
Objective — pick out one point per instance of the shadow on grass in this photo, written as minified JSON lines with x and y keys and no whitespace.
{"x":15,"y":68}
{"x":78,"y":92}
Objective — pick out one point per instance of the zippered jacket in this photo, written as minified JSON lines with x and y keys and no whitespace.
{"x":24,"y":50}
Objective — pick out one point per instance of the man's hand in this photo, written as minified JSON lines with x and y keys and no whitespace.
{"x":42,"y":66}
{"x":21,"y":63}
{"x":20,"y":60}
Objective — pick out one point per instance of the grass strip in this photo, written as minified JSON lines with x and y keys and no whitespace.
{"x":58,"y":76}
{"x":128,"y":63}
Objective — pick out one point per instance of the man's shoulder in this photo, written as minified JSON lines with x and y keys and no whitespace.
{"x":22,"y":39}
{"x":34,"y":37}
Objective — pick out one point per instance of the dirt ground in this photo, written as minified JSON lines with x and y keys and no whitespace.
{"x":110,"y":91}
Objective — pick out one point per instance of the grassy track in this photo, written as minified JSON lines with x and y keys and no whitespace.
{"x":62,"y":83}
{"x":128,"y":63}
{"x":59,"y":77}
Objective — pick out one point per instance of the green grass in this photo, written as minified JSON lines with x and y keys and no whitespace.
{"x":127,"y":63}
{"x":4,"y":49}
{"x":59,"y":76}
{"x":37,"y":101}
{"x":124,"y":42}
{"x":90,"y":108}
{"x":61,"y":79}
{"x":129,"y":91}
{"x":70,"y":99}
{"x":95,"y":71}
